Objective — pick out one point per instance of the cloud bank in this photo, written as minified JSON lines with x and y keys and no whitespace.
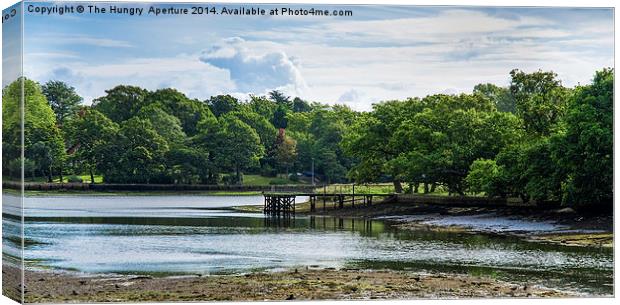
{"x":254,"y":73}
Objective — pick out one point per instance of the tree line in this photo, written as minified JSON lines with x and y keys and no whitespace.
{"x":534,"y":139}
{"x":132,"y":135}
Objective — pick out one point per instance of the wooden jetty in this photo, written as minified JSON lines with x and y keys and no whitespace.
{"x":277,"y":204}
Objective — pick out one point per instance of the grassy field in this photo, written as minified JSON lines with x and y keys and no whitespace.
{"x":262,"y":180}
{"x":247,"y":180}
{"x":379,"y":188}
{"x":56,"y":179}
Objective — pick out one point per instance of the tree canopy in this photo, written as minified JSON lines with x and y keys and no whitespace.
{"x":534,"y":139}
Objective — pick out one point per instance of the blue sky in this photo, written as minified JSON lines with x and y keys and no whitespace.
{"x":381,"y":53}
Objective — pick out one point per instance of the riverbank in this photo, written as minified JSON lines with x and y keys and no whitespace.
{"x":550,"y":225}
{"x":297,"y":284}
{"x":177,"y":188}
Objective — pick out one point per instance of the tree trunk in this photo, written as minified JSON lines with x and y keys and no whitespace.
{"x":238,"y":173}
{"x":398,"y":187}
{"x":50,"y":179}
{"x":92,"y":176}
{"x":459,"y":191}
{"x":425,"y":188}
{"x":415,"y":188}
{"x":433,"y":186}
{"x":525,"y":198}
{"x":60,"y":175}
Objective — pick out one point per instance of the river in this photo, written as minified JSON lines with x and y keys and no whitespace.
{"x":175,"y":235}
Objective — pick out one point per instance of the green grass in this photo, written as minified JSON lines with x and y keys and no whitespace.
{"x":56,"y":179}
{"x":247,"y":180}
{"x":382,"y":188}
{"x":262,"y":180}
{"x":378,"y":188}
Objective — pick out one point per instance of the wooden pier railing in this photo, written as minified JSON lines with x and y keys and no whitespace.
{"x":284,"y":203}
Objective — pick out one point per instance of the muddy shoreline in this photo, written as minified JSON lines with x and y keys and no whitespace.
{"x":565,"y":226}
{"x":308,"y":283}
{"x":297,"y":284}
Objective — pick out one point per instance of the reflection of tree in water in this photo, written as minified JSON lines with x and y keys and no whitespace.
{"x":329,"y":224}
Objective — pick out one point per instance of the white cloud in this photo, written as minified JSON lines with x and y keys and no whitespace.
{"x":252,"y":72}
{"x":87,"y":40}
{"x":184,"y":72}
{"x":356,"y":62}
{"x":350,"y":96}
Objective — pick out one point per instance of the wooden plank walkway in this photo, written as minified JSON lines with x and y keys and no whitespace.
{"x":277,"y":204}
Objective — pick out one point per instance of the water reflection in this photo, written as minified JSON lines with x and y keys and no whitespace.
{"x":178,"y":237}
{"x":357,"y":225}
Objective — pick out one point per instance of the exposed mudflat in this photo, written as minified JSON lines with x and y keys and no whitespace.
{"x":297,"y":284}
{"x":562,"y":226}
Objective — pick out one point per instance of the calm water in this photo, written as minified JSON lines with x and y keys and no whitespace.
{"x":164,"y":235}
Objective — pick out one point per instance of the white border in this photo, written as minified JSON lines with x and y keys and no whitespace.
{"x":548,"y":3}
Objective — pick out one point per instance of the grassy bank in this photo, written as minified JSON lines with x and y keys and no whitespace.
{"x":381,"y":188}
{"x":247,"y":179}
{"x":297,"y":284}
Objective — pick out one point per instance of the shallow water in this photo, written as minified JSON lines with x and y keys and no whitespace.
{"x":165,"y":235}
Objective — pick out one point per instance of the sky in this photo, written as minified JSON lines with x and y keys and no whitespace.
{"x":379,"y":53}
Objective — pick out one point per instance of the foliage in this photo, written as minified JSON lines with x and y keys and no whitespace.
{"x":63,"y":99}
{"x":280,"y":99}
{"x":43,"y":142}
{"x":92,"y":135}
{"x":166,"y":125}
{"x":279,"y":117}
{"x":140,"y":157}
{"x":534,"y":139}
{"x":284,"y":152}
{"x":121,"y":102}
{"x":443,"y":140}
{"x":75,"y":179}
{"x":483,"y":176}
{"x":585,"y":149}
{"x":238,"y":146}
{"x":190,"y":112}
{"x":300,"y":105}
{"x":222,"y":104}
{"x":502,"y":98}
{"x":540,"y":99}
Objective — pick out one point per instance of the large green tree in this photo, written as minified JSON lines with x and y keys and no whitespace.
{"x":63,"y":99}
{"x":141,"y":154}
{"x":284,"y":152}
{"x":121,"y":102}
{"x":500,"y":96}
{"x":167,"y":125}
{"x":223,"y":104}
{"x":585,"y":149}
{"x":190,"y":112}
{"x":237,"y":146}
{"x":43,"y":141}
{"x":443,"y":140}
{"x":92,"y":135}
{"x":540,"y":100}
{"x":368,"y":141}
